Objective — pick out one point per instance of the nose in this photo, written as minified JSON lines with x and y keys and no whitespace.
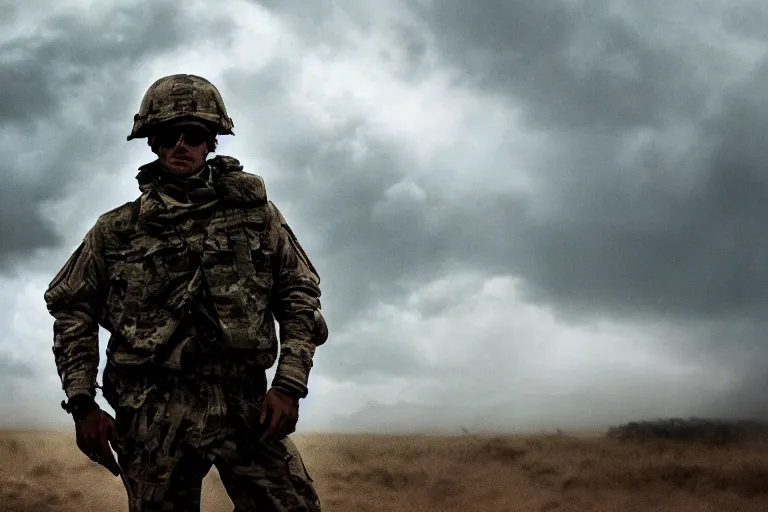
{"x":181,"y":144}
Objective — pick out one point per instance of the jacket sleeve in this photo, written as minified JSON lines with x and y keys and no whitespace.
{"x":296,"y":307}
{"x":73,"y":298}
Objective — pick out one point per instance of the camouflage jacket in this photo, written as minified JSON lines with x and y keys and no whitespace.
{"x":143,"y":268}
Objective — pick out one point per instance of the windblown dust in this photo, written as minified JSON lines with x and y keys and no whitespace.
{"x":45,"y":472}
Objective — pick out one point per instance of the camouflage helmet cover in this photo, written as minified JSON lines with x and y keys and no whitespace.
{"x":181,"y":96}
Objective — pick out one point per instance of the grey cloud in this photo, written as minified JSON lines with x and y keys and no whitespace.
{"x":649,"y":195}
{"x":574,"y":66}
{"x":355,"y":253}
{"x":352,"y":361}
{"x":619,"y":235}
{"x":22,"y":229}
{"x":30,"y":402}
{"x":329,"y":194}
{"x":585,"y":410}
{"x":40,"y":72}
{"x":366,"y":258}
{"x":746,"y":19}
{"x":699,"y":251}
{"x":608,"y":399}
{"x":64,"y":87}
{"x":747,"y":399}
{"x":739,"y":345}
{"x":11,"y":368}
{"x":671,"y":229}
{"x":318,"y":21}
{"x":669,"y":232}
{"x":349,"y":358}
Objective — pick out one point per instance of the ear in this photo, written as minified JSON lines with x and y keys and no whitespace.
{"x":150,"y":141}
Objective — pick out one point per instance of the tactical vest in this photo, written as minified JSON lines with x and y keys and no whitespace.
{"x":152,"y":286}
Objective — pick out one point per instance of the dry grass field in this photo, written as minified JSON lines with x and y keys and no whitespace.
{"x":44,"y":472}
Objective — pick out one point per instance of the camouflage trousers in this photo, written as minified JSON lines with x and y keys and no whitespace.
{"x":168,"y":444}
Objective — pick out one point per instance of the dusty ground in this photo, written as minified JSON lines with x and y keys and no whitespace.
{"x":45,"y":472}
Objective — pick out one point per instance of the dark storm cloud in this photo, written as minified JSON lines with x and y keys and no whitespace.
{"x":22,"y":229}
{"x":649,"y":199}
{"x":650,"y":192}
{"x":574,"y":66}
{"x":648,"y":196}
{"x":327,"y":194}
{"x":62,"y":86}
{"x":623,"y":235}
{"x":674,"y":231}
{"x":39,"y":70}
{"x":351,"y":250}
{"x":362,"y":257}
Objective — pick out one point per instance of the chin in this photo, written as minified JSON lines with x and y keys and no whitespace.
{"x":181,"y":168}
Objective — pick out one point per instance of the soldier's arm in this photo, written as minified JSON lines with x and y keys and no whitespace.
{"x":73,"y":298}
{"x":296,"y":306}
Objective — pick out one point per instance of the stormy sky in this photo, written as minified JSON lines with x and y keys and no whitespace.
{"x":525,"y":214}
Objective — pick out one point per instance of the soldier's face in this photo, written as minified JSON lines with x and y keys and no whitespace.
{"x":182,"y":150}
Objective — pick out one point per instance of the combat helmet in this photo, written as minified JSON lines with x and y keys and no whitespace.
{"x":181,"y":96}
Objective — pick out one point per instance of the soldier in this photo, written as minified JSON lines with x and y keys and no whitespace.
{"x":189,"y":280}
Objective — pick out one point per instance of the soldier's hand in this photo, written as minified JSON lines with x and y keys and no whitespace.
{"x":280,"y":413}
{"x":94,"y":431}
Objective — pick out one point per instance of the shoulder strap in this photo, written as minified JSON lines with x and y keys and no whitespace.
{"x":292,"y":237}
{"x":235,"y":186}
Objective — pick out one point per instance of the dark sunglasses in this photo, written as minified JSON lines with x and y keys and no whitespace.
{"x":193,"y":136}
